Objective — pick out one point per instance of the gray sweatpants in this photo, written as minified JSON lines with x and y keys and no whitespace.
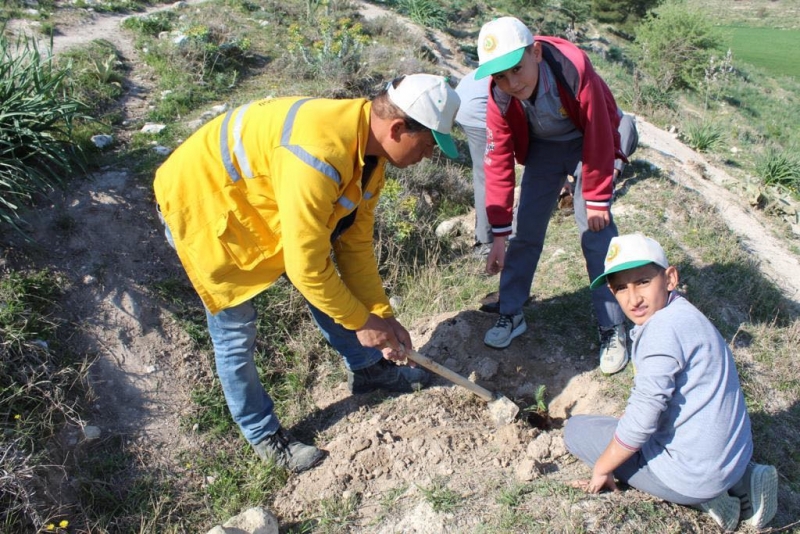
{"x":546,"y":170}
{"x":476,"y":139}
{"x":587,"y":436}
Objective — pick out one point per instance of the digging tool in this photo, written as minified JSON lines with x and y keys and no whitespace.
{"x":502,"y":409}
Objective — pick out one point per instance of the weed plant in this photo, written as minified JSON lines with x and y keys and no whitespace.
{"x":37,"y":115}
{"x":38,"y":385}
{"x":428,"y":13}
{"x":781,"y":168}
{"x":703,"y":136}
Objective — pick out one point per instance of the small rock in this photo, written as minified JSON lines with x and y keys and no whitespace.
{"x":486,"y":368}
{"x":447,"y":228}
{"x":152,"y":128}
{"x":89,"y":280}
{"x":253,"y":520}
{"x":162,"y":150}
{"x":221,"y":108}
{"x":395,"y":302}
{"x":91,"y":432}
{"x":527,"y":470}
{"x":102,"y":140}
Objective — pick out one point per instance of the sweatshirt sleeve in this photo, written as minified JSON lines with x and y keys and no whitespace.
{"x":355,"y":255}
{"x":307,"y":198}
{"x":498,"y":165}
{"x":653,"y":388}
{"x":600,"y":138}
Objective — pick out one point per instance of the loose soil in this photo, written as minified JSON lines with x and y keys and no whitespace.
{"x":376,"y":447}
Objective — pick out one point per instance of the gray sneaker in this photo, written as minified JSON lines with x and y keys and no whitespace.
{"x":613,"y":349}
{"x":285,"y":451}
{"x":504,"y":330}
{"x":758,"y":494}
{"x":723,"y":509}
{"x":387,"y":376}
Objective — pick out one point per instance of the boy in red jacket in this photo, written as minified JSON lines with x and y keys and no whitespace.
{"x":549,"y":110}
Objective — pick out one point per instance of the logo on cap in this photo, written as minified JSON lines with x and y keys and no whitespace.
{"x":489,"y":43}
{"x":613,"y":250}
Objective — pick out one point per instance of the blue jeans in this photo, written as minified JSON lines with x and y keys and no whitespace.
{"x":233,"y":334}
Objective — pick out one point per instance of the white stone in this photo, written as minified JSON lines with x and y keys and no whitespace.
{"x":102,"y":140}
{"x":395,"y":302}
{"x":447,"y":228}
{"x":220,"y":108}
{"x":162,"y":150}
{"x":253,"y":520}
{"x":91,"y":433}
{"x":152,"y":128}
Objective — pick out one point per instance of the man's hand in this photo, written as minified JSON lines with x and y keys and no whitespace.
{"x":497,"y":256}
{"x":597,"y":219}
{"x":386,"y":335}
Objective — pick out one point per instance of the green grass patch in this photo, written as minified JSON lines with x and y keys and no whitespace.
{"x":767,"y":48}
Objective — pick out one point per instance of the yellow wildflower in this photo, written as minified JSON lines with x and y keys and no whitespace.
{"x":50,"y":527}
{"x":63,"y":524}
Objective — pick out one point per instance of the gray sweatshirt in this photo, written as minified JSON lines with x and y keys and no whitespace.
{"x":686,"y":411}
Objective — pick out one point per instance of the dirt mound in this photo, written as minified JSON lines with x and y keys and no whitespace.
{"x":404,"y":444}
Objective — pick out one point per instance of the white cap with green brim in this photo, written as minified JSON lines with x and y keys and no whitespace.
{"x":430,"y":101}
{"x":501,"y":44}
{"x":629,"y":252}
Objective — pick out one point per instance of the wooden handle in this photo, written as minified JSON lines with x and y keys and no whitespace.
{"x":452,"y":376}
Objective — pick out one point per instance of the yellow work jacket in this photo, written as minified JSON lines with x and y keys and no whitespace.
{"x":257,"y":192}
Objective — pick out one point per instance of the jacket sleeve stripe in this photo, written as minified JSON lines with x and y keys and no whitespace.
{"x":304,"y":156}
{"x":238,"y":147}
{"x":226,"y":153}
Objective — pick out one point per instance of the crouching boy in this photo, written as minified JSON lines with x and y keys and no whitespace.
{"x":685,"y":435}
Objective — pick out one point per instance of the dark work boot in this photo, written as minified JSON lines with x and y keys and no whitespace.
{"x":285,"y":451}
{"x":387,"y":376}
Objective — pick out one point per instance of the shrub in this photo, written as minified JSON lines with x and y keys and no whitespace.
{"x":335,"y":51}
{"x":674,"y":45}
{"x":36,"y":126}
{"x":777,"y":167}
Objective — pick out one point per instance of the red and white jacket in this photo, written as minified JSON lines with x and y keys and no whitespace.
{"x":591,"y":107}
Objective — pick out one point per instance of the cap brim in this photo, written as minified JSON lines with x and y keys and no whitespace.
{"x":500,"y":64}
{"x":600,"y":280}
{"x":446,"y":143}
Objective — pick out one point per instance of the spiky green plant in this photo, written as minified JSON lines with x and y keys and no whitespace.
{"x":702,"y":136}
{"x":37,"y":114}
{"x":777,"y":167}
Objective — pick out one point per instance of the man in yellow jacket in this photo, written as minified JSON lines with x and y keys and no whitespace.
{"x":273,"y":187}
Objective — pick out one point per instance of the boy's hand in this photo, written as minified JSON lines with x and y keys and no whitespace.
{"x":597,"y":219}
{"x":596,"y":484}
{"x":497,"y":256}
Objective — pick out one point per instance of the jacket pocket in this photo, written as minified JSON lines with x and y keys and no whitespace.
{"x":241,"y":242}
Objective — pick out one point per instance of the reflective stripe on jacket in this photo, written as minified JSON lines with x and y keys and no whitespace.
{"x":257,"y":192}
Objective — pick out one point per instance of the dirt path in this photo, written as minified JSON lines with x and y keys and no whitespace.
{"x":693,"y":170}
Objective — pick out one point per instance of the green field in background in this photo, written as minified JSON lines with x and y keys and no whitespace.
{"x":776,"y":51}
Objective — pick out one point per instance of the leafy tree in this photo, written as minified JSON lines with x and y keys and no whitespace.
{"x":622,"y":12}
{"x":674,"y":45}
{"x":576,"y":10}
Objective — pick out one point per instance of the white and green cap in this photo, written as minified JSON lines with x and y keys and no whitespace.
{"x":629,"y":252}
{"x":430,"y":101}
{"x":501,"y":44}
